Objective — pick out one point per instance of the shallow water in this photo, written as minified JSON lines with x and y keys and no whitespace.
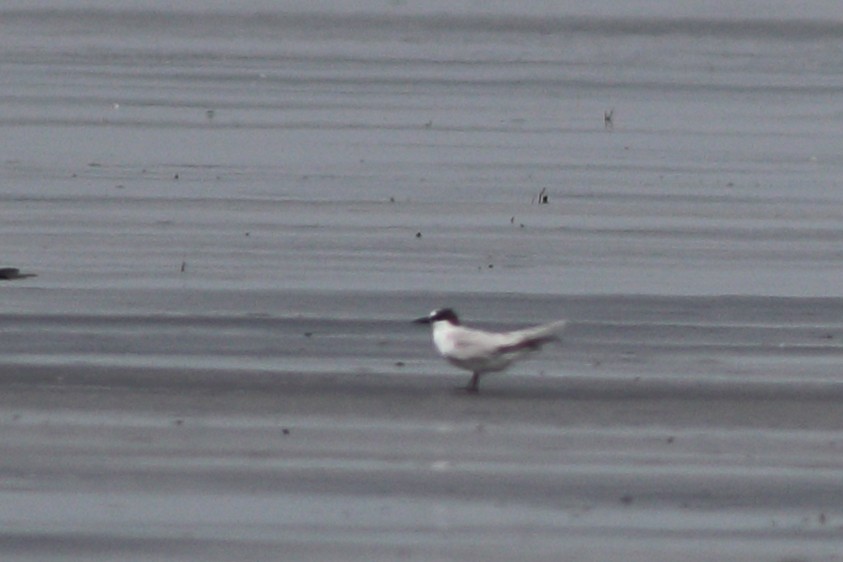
{"x":232,"y":213}
{"x":306,"y":141}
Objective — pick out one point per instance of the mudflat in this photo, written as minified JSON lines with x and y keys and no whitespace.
{"x":348,"y":438}
{"x":223,"y":220}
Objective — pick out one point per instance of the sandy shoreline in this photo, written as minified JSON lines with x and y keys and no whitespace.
{"x":142,"y":464}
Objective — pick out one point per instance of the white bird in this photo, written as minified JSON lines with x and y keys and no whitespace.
{"x":484,"y":352}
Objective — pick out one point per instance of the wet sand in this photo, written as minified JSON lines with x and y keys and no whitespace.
{"x":234,"y":214}
{"x":662,"y":427}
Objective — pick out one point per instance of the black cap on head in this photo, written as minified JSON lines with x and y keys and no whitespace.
{"x":446,"y":314}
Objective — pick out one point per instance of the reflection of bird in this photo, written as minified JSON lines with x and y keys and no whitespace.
{"x":484,"y":352}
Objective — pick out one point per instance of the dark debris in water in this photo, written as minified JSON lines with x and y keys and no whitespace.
{"x":10,"y":273}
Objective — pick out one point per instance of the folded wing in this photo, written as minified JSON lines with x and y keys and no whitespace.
{"x":477,"y":350}
{"x":531,"y":338}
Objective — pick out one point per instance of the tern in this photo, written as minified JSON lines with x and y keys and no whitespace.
{"x":484,"y":352}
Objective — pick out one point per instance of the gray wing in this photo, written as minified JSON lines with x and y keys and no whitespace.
{"x":531,"y":338}
{"x":473,"y":343}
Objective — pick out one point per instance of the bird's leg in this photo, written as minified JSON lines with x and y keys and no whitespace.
{"x":474,"y":382}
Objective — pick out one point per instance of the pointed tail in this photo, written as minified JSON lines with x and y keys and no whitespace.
{"x":534,"y":338}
